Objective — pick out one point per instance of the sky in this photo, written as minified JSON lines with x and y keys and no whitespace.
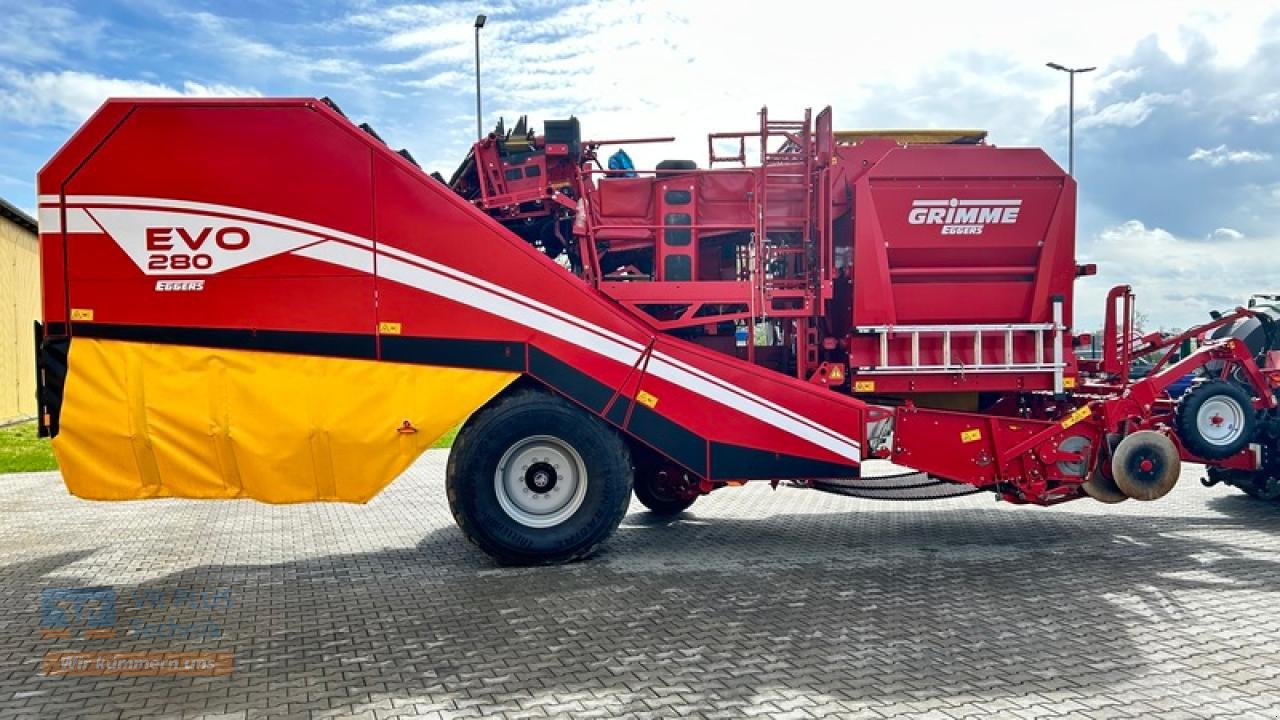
{"x":1177,"y":131}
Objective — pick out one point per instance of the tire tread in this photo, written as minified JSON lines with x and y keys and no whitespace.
{"x":513,"y":404}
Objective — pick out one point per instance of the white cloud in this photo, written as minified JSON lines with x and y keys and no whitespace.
{"x":1226,"y":233}
{"x":1111,"y":80}
{"x":442,"y":79}
{"x":1128,"y":113}
{"x":38,"y":32}
{"x":1266,"y":117}
{"x":269,"y":59}
{"x":1221,"y":155}
{"x":68,"y":97}
{"x":689,"y":68}
{"x":1177,"y":281}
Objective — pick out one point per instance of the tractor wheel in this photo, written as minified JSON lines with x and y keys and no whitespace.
{"x":1256,"y":485}
{"x":1261,"y":490}
{"x":1215,"y":419}
{"x":664,"y":491}
{"x":1146,"y":465}
{"x":533,"y":479}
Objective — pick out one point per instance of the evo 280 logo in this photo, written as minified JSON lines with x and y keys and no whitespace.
{"x":175,"y":242}
{"x":963,"y":217}
{"x":179,"y":248}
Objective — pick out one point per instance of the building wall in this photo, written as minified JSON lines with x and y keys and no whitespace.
{"x":19,"y":307}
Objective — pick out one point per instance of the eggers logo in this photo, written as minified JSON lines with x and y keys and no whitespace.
{"x":167,"y":253}
{"x":963,"y":217}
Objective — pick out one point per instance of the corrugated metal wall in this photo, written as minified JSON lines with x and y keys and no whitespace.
{"x":19,"y":306}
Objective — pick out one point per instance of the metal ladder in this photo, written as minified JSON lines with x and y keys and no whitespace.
{"x":785,"y":170}
{"x":1004,"y":362}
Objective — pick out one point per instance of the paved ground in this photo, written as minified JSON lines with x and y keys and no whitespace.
{"x":786,"y":604}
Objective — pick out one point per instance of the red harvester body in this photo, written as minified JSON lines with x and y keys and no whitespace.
{"x":256,"y":298}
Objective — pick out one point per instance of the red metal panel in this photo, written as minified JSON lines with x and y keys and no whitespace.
{"x":625,"y":198}
{"x":942,"y":230}
{"x":228,"y":156}
{"x":872,"y":288}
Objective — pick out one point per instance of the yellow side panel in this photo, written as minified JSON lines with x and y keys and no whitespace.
{"x":141,"y":421}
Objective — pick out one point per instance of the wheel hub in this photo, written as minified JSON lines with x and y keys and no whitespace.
{"x":540,"y":477}
{"x":540,"y":481}
{"x":1220,"y":420}
{"x":1146,"y":469}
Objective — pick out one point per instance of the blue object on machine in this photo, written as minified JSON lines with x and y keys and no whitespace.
{"x":621,"y":162}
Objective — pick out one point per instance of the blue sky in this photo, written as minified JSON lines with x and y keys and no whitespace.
{"x":1178,"y":132}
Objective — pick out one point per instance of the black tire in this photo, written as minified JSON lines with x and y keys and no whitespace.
{"x":667,"y":168}
{"x":519,"y":423}
{"x":1146,"y":465}
{"x":1195,"y":438}
{"x":1101,"y":486}
{"x":1254,"y":484}
{"x":1103,"y":489}
{"x":649,"y":491}
{"x":1258,"y":491}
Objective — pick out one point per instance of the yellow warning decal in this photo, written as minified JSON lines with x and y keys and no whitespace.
{"x":388,"y":328}
{"x":1077,"y":416}
{"x":969,"y":436}
{"x":1068,"y":383}
{"x":864,"y":386}
{"x":82,"y":314}
{"x":647,"y":400}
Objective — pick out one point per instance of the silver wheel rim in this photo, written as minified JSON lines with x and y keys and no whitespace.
{"x":1074,"y":444}
{"x":1220,"y":420}
{"x":541,"y":481}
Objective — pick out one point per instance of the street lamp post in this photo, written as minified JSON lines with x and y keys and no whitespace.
{"x":479,"y":24}
{"x":1071,"y":112}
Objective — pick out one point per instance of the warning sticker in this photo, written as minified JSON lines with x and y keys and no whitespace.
{"x":1077,"y":416}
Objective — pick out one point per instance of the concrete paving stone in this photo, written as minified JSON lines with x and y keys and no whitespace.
{"x":756,"y":602}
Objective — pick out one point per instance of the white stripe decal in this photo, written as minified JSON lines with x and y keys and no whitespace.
{"x":78,"y":221}
{"x":451,"y":289}
{"x":337,"y":253}
{"x":355,"y":252}
{"x":166,"y":204}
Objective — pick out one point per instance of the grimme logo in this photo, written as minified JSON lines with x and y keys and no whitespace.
{"x":964,"y":217}
{"x":177,"y":248}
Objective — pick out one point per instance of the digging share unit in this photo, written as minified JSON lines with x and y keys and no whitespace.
{"x":260,"y":299}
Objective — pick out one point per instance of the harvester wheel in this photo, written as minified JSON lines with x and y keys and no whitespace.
{"x":1103,"y":489}
{"x":1215,"y":419}
{"x":664,"y":492}
{"x":533,"y":479}
{"x":1146,"y":465}
{"x":1101,"y":486}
